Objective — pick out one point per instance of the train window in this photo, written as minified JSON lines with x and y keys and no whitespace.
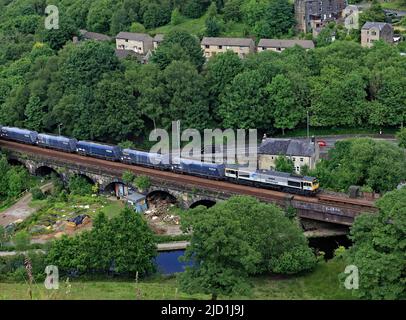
{"x":231,"y":172}
{"x":243,"y":174}
{"x":293,"y":184}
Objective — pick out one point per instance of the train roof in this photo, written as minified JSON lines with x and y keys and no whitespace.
{"x":56,"y":136}
{"x":15,"y":129}
{"x":97,"y":144}
{"x":193,"y":161}
{"x":271,"y":172}
{"x":129,"y":151}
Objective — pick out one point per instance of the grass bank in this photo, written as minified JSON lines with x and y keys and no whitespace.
{"x":322,"y":283}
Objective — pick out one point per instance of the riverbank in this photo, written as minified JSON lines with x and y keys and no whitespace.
{"x":321,"y":283}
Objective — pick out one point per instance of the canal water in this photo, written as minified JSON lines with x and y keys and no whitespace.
{"x":168,"y":261}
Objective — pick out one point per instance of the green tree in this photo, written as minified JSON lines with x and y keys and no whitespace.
{"x":378,"y":249}
{"x":244,"y":103}
{"x":187,"y":96}
{"x":179,"y":45}
{"x":377,"y":164}
{"x":34,"y":113}
{"x":287,"y":111}
{"x":401,"y":136}
{"x":337,"y":98}
{"x":220,"y":72}
{"x":124,"y":243}
{"x":238,"y":238}
{"x":142,"y":182}
{"x":284,"y":164}
{"x":99,"y":16}
{"x":176,"y":17}
{"x":232,"y":10}
{"x":137,"y":28}
{"x":213,"y":27}
{"x":57,"y":38}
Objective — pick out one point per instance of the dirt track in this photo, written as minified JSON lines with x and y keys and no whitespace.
{"x":21,"y":209}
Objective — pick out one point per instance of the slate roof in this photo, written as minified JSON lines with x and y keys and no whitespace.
{"x":122,"y":54}
{"x":379,"y":25}
{"x":233,"y":42}
{"x":94,"y":35}
{"x":134,"y":36}
{"x":288,"y":147}
{"x":279,"y":43}
{"x":159,"y":37}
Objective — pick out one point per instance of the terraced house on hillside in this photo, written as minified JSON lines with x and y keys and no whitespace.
{"x":278,"y":45}
{"x":241,"y":46}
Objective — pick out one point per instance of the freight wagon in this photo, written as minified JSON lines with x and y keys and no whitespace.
{"x":57,"y":142}
{"x":143,"y":158}
{"x":98,"y":150}
{"x":199,"y":168}
{"x":19,"y":135}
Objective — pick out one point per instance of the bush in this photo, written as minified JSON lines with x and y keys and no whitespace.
{"x":142,"y":182}
{"x":80,"y":186}
{"x":12,"y":267}
{"x":37,"y":194}
{"x":124,"y":244}
{"x":21,"y":240}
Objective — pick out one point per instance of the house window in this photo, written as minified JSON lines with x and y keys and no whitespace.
{"x":126,"y":40}
{"x":373,"y":33}
{"x":279,"y":49}
{"x":220,"y":47}
{"x":263,"y":48}
{"x":294,"y":159}
{"x":207,"y":46}
{"x":298,"y":169}
{"x":301,"y":159}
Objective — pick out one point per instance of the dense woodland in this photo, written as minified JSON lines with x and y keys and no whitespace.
{"x":46,"y":80}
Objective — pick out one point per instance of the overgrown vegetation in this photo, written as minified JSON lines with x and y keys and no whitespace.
{"x":98,"y":97}
{"x":123,"y":245}
{"x":378,"y":165}
{"x":13,"y":181}
{"x":379,"y":249}
{"x":248,"y":247}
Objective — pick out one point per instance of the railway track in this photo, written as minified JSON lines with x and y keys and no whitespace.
{"x":215,"y":185}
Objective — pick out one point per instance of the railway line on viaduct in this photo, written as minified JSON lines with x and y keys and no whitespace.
{"x":189,"y":191}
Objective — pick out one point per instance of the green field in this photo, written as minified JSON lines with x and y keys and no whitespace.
{"x":393,"y":4}
{"x":197,"y":27}
{"x":322,"y":283}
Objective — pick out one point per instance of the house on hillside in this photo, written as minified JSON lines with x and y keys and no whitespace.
{"x":302,"y":152}
{"x":278,"y":45}
{"x":313,"y":15}
{"x":241,"y":46}
{"x":140,"y":43}
{"x":157,"y":40}
{"x":375,"y":31}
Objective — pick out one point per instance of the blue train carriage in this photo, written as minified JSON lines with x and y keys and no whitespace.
{"x":57,"y":142}
{"x":19,"y":135}
{"x":199,"y":168}
{"x":143,"y":158}
{"x":274,"y":179}
{"x":99,"y":150}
